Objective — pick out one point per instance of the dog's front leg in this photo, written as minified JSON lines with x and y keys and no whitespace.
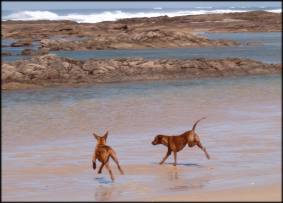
{"x":166,"y":156}
{"x":94,"y":161}
{"x":101,"y":167}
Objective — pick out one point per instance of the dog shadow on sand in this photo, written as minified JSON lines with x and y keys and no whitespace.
{"x":103,"y":180}
{"x":179,"y":164}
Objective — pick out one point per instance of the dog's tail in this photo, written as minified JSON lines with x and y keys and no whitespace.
{"x":193,"y":129}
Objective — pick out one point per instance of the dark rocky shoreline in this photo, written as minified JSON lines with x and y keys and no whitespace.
{"x":51,"y":70}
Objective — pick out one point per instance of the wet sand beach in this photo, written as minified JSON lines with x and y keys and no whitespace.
{"x":259,"y":194}
{"x":47,"y":141}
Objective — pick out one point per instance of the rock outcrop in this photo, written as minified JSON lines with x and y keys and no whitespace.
{"x":135,"y":33}
{"x":151,"y":38}
{"x":49,"y":70}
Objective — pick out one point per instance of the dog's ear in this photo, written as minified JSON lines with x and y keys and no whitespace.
{"x":95,"y":136}
{"x":105,"y":135}
{"x":159,"y":137}
{"x":162,"y":139}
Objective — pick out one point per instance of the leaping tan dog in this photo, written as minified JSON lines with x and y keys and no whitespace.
{"x":103,"y":152}
{"x":177,"y":143}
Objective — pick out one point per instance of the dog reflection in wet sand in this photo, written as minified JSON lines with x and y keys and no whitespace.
{"x":103,"y":153}
{"x":177,"y":143}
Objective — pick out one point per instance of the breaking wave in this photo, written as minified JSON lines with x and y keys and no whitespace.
{"x":111,"y":15}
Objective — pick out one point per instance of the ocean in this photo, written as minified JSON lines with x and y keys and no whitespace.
{"x":99,"y":15}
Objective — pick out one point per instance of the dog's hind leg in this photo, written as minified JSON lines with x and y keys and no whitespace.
{"x":166,"y":156}
{"x":175,"y":158}
{"x":103,"y":163}
{"x":114,"y":157}
{"x":203,"y":149}
{"x":110,"y":172}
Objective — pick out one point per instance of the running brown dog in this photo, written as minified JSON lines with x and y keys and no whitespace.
{"x":103,"y":152}
{"x":177,"y":143}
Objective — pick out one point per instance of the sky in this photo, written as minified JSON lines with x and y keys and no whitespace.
{"x":45,"y":5}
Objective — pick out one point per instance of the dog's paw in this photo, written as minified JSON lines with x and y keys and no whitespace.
{"x":93,"y":165}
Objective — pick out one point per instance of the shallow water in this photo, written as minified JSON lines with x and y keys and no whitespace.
{"x":16,"y":51}
{"x":47,"y":142}
{"x":269,"y":51}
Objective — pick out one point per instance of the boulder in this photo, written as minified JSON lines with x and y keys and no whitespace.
{"x":255,"y":43}
{"x":77,"y":73}
{"x":49,"y":43}
{"x":27,"y":52}
{"x":89,"y":65}
{"x":32,"y":69}
{"x":51,"y":73}
{"x":7,"y":71}
{"x":22,"y":42}
{"x":41,"y":51}
{"x":147,"y":64}
{"x":119,"y":27}
{"x":17,"y":76}
{"x":6,"y":53}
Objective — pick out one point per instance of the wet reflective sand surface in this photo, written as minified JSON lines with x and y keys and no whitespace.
{"x":47,"y":139}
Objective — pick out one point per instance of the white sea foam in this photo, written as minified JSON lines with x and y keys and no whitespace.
{"x":275,"y":10}
{"x":111,"y":15}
